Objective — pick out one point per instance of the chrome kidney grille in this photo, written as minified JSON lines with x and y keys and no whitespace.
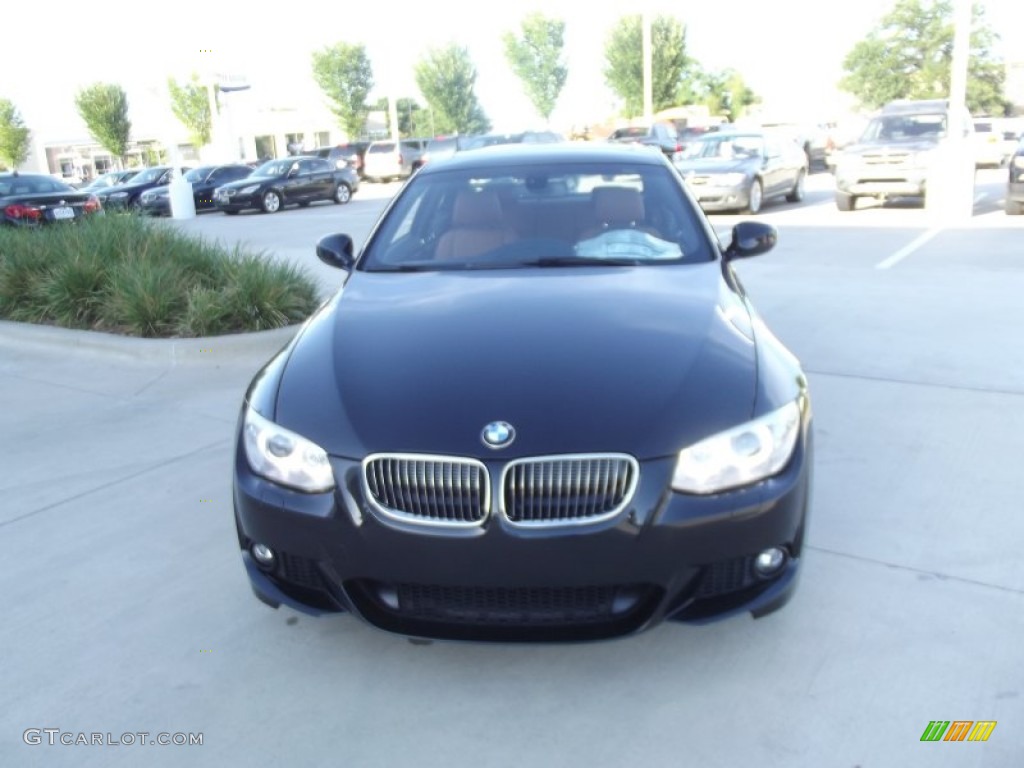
{"x":428,"y":490}
{"x":450,"y":491}
{"x":561,"y":490}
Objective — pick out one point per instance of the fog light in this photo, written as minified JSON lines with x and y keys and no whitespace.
{"x":264,"y":555}
{"x":770,"y":561}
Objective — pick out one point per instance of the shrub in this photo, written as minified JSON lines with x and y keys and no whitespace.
{"x":132,"y":275}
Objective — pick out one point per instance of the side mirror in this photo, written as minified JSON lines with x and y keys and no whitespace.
{"x":751,"y":238}
{"x":336,"y":251}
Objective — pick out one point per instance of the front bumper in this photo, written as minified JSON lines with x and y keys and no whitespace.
{"x":885,"y":184}
{"x":666,"y":556}
{"x":238,"y":202}
{"x":716,"y":198}
{"x":160,"y":206}
{"x":1015,"y":189}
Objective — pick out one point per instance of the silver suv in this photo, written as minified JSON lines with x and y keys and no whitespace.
{"x":895,"y":154}
{"x":384,"y":161}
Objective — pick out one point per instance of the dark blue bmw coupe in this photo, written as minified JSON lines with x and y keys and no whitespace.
{"x":540,"y":408}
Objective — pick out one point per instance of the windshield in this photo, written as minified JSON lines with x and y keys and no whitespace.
{"x":537,"y":216}
{"x":198,"y":174}
{"x":906,"y":127}
{"x":274,"y":168}
{"x":637,"y":132}
{"x":724,"y":147}
{"x":149,"y":175}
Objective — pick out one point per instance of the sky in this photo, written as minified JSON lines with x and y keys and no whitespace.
{"x":789,"y":51}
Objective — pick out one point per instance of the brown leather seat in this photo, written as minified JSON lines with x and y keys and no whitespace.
{"x":478,"y":226}
{"x":617,"y":208}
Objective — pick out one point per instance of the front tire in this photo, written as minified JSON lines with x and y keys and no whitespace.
{"x":845,"y":202}
{"x":797,"y":193}
{"x":755,"y":197}
{"x":342,"y":194}
{"x":1014,"y":208}
{"x":271,"y":202}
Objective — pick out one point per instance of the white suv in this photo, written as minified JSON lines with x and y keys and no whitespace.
{"x":386,"y":162}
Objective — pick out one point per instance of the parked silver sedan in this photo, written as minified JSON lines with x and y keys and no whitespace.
{"x":738,"y":171}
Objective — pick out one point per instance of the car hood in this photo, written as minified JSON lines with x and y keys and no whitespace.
{"x":716,"y":165}
{"x":249,"y":181}
{"x":898,"y":146}
{"x":644,"y":360}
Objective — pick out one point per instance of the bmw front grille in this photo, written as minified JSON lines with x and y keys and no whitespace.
{"x":451,"y":491}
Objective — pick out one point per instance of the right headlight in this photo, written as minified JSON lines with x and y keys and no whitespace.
{"x":739,"y":456}
{"x":248,"y":190}
{"x":285,"y":457}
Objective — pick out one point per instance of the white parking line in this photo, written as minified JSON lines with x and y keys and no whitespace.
{"x":908,"y":249}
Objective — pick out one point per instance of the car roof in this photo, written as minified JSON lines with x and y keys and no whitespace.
{"x":545,"y":154}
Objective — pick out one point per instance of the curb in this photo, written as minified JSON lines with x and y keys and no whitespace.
{"x":173,"y":351}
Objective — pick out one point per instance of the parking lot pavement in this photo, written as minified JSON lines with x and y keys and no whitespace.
{"x":128,"y":608}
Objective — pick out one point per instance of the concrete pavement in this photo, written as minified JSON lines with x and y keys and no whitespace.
{"x":128,"y":609}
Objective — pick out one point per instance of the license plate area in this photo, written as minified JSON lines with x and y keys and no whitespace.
{"x":63,"y":212}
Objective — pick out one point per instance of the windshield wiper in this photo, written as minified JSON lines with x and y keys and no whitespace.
{"x":581,"y":261}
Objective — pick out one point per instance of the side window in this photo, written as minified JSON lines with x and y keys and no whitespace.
{"x":321,"y":166}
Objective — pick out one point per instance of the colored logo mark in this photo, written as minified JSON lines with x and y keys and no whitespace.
{"x":958,"y":730}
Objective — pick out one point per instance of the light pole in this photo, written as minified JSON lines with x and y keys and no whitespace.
{"x":949,"y":190}
{"x":645,"y":23}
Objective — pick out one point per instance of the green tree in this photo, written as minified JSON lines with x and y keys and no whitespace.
{"x":104,"y":108}
{"x":447,"y":79}
{"x":413,"y":120}
{"x":190,"y":103}
{"x":908,"y":55}
{"x":624,"y":69}
{"x":344,"y":74}
{"x":14,"y":136}
{"x":724,"y":92}
{"x":535,"y":55}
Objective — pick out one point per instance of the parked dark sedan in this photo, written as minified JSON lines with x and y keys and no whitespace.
{"x":204,"y":180}
{"x":110,"y":179}
{"x":541,"y":407}
{"x":128,"y":196}
{"x":662,"y":136}
{"x":28,"y":200}
{"x":293,"y":180}
{"x":738,"y":171}
{"x":1015,"y":182}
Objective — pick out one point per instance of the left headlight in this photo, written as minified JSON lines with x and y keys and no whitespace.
{"x":281,"y":455}
{"x":739,"y":456}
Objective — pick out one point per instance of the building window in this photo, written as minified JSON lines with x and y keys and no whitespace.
{"x":323,"y":139}
{"x":295,"y":143}
{"x":266,"y":148}
{"x":103,"y":163}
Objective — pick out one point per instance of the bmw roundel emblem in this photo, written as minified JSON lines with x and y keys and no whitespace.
{"x":498,"y":434}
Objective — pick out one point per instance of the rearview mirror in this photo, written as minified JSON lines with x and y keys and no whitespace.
{"x":336,"y":251}
{"x":751,"y":238}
